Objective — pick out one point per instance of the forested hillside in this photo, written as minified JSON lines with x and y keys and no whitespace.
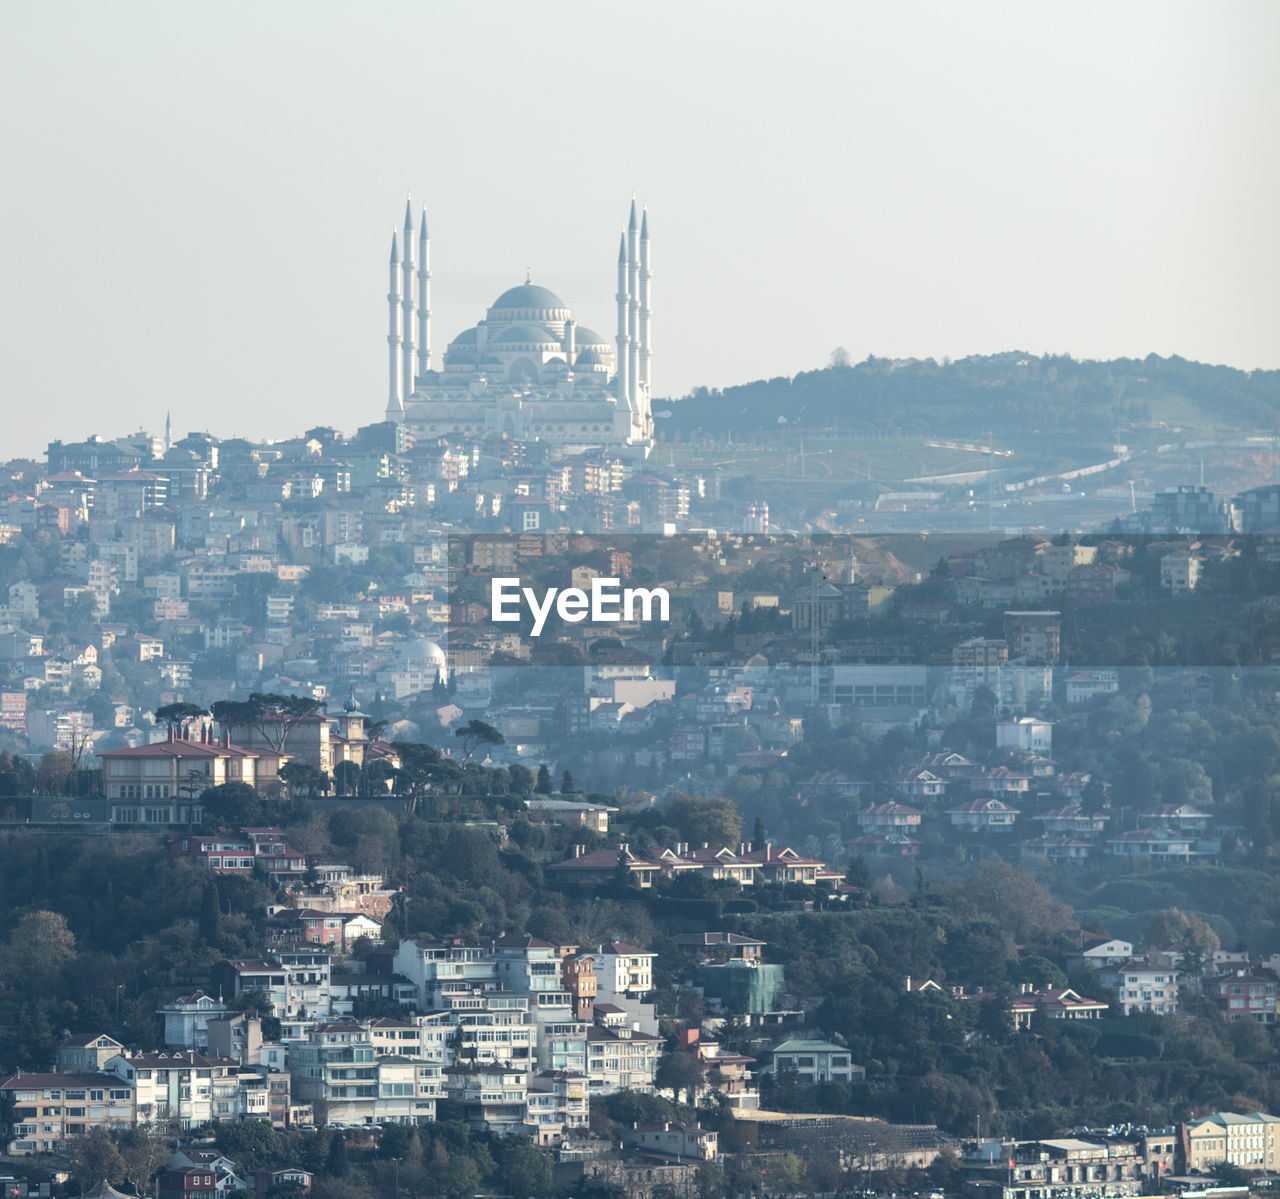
{"x":1014,"y":393}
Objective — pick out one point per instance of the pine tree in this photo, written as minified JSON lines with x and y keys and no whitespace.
{"x":335,"y":1164}
{"x":543,"y":786}
{"x":567,"y":785}
{"x":210,"y":914}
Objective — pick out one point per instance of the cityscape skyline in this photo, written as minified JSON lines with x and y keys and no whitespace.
{"x":201,"y":213}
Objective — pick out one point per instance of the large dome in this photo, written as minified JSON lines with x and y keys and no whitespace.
{"x":588,"y":337}
{"x":422,"y":650}
{"x":526,"y":334}
{"x":529,"y":295}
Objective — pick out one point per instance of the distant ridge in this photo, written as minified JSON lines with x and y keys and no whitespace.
{"x":1013,"y":393}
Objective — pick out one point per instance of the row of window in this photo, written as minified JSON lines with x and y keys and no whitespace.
{"x":140,"y":791}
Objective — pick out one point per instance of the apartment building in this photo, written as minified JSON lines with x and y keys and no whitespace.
{"x":48,"y":1108}
{"x":1251,"y":1141}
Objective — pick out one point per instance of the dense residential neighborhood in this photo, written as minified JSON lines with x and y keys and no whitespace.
{"x":871,"y":865}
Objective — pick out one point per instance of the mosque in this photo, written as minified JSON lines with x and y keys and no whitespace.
{"x":528,"y":369}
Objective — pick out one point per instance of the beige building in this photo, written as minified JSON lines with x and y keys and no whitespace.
{"x":51,"y":1107}
{"x":1251,"y":1142}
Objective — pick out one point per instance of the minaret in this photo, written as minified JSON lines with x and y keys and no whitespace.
{"x":424,"y":297}
{"x":624,"y":339}
{"x":408,"y":347}
{"x":633,"y":309}
{"x":395,"y":403}
{"x":168,"y":431}
{"x":646,"y":311}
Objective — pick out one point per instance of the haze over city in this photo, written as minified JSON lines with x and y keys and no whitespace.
{"x":200,"y":199}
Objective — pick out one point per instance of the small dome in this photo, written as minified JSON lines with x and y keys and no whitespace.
{"x":466,"y":338}
{"x":588,"y":337}
{"x":528,"y":295}
{"x":589,"y":358}
{"x":536,"y":335}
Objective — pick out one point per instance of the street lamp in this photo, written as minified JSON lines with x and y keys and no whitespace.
{"x":119,"y":988}
{"x":397,"y":1164}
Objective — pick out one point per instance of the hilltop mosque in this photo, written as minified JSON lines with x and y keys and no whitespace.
{"x":528,"y":370}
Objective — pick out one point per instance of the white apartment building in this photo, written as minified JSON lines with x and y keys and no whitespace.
{"x":1141,"y":987}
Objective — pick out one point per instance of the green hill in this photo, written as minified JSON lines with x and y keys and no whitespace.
{"x":1014,"y":394}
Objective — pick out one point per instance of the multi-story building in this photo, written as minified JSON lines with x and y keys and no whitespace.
{"x":243,"y":852}
{"x":1179,"y":573}
{"x":176,"y":1088}
{"x":623,"y":969}
{"x":1142,"y":987}
{"x":48,"y":1108}
{"x":295,"y":982}
{"x":556,"y":1103}
{"x":1243,"y":995}
{"x":620,"y":1057}
{"x":494,"y":1097}
{"x":1251,"y":1142}
{"x":1034,"y":635}
{"x":181,"y":770}
{"x":339,"y":1064}
{"x":186,"y":1019}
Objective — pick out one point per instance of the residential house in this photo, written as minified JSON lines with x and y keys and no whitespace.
{"x":603,"y":866}
{"x":978,"y":814}
{"x":816,"y":1061}
{"x":1142,"y":987}
{"x":676,"y":1140}
{"x":1243,"y":995}
{"x":889,"y":816}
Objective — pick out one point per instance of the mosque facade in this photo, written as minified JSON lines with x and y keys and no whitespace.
{"x":528,"y":370}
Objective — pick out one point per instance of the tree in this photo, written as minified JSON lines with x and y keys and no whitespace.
{"x":567,"y":785}
{"x":179,"y":715}
{"x":526,"y":1169}
{"x":678,"y":1073}
{"x":543,"y":786}
{"x":346,"y":778}
{"x":713,"y":822}
{"x":55,"y":769}
{"x":476,"y":733}
{"x":39,"y":946}
{"x":1173,"y":928}
{"x":266,"y":717}
{"x":210,"y":914}
{"x":236,"y":804}
{"x":303,"y":777}
{"x":335,"y":1162}
{"x":523,"y":780}
{"x":143,"y":1152}
{"x":95,"y":1159}
{"x":1013,"y":898}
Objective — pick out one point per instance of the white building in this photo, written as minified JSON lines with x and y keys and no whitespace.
{"x":816,"y":1061}
{"x":1026,"y":735}
{"x":186,"y":1019}
{"x":528,"y":370}
{"x":1141,"y":987}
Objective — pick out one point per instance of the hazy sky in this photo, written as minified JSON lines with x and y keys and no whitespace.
{"x":198,"y":198}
